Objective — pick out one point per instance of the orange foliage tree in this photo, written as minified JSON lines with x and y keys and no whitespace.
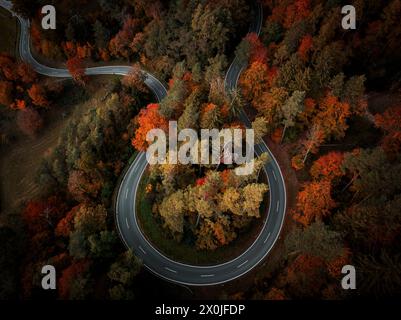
{"x":314,"y":202}
{"x":19,"y":104}
{"x":333,"y":116}
{"x":328,"y":166}
{"x":38,"y":95}
{"x":255,"y":81}
{"x":148,"y":118}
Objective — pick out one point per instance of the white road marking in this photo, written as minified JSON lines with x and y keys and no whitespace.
{"x":242,"y":264}
{"x":142,"y":250}
{"x":278,"y":204}
{"x":171,"y":270}
{"x":126,"y":221}
{"x":267,"y":238}
{"x":207,"y":275}
{"x":274,"y":175}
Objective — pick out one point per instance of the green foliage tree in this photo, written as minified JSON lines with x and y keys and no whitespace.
{"x":261,"y":128}
{"x":123,"y":273}
{"x":291,"y":108}
{"x":317,"y":240}
{"x":172,"y":210}
{"x":89,"y":220}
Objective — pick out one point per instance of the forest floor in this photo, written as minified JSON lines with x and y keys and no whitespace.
{"x":20,"y":160}
{"x":8,"y":37}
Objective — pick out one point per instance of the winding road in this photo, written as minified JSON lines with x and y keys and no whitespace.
{"x":126,"y":219}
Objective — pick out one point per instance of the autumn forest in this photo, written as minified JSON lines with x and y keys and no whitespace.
{"x":325,"y":101}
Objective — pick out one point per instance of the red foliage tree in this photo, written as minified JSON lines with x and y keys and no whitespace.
{"x":19,"y":104}
{"x":148,"y":118}
{"x":26,"y":73}
{"x":6,"y":89}
{"x":38,"y":95}
{"x":200,"y":181}
{"x":8,"y":67}
{"x":120,"y":44}
{"x":69,"y":48}
{"x":305,"y":276}
{"x":390,"y":123}
{"x":36,"y":35}
{"x":77,"y":268}
{"x":65,"y":225}
{"x":84,"y":51}
{"x":137,"y":42}
{"x":334,"y":266}
{"x":76,"y":68}
{"x":256,"y":81}
{"x":296,"y":12}
{"x":305,"y":47}
{"x":277,"y":134}
{"x":42,"y":215}
{"x":258,"y":50}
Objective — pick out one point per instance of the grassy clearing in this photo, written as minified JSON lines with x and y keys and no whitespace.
{"x":8,"y":34}
{"x":186,"y":252}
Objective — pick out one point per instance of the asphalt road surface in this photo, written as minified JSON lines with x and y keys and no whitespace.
{"x":126,"y":219}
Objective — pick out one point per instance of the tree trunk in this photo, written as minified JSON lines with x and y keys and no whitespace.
{"x":197,"y":221}
{"x":283,"y":134}
{"x":306,"y":155}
